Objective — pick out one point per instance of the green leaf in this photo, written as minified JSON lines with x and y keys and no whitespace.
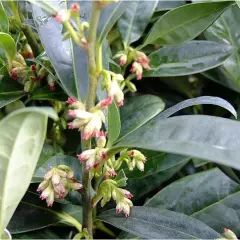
{"x":4,"y":25}
{"x":10,"y":91}
{"x":33,"y":214}
{"x":46,"y":153}
{"x":135,"y":19}
{"x":140,"y":187}
{"x":8,"y":45}
{"x":153,"y":223}
{"x":156,"y":162}
{"x":185,"y":23}
{"x":189,"y":58}
{"x":225,"y":30}
{"x":238,"y":3}
{"x":209,"y":138}
{"x":44,"y":93}
{"x":121,"y":179}
{"x":59,"y":52}
{"x":198,"y":101}
{"x":114,"y":124}
{"x":54,"y":161}
{"x":21,"y":143}
{"x":209,"y":196}
{"x":167,"y":5}
{"x":109,"y":17}
{"x":137,"y":111}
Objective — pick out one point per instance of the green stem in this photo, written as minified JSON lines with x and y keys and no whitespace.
{"x":91,"y":97}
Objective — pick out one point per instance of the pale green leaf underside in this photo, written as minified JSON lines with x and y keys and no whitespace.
{"x":22,"y":134}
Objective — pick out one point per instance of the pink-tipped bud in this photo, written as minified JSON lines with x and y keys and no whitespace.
{"x":127,"y":193}
{"x":137,"y":68}
{"x":71,"y":101}
{"x":123,"y":60}
{"x":106,"y":102}
{"x":52,"y":87}
{"x":120,"y":103}
{"x":75,"y":8}
{"x":79,"y":114}
{"x":62,"y":16}
{"x":33,"y":68}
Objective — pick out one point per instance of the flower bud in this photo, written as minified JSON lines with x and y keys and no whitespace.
{"x":46,"y":192}
{"x":137,"y":68}
{"x":76,"y":186}
{"x":27,"y":51}
{"x":140,"y":165}
{"x":86,"y":155}
{"x":101,"y":142}
{"x":42,"y":73}
{"x":55,"y":178}
{"x":75,"y":104}
{"x":80,"y":114}
{"x":19,"y":60}
{"x":62,"y":16}
{"x":75,"y":10}
{"x":229,"y":234}
{"x":77,"y":123}
{"x":131,"y":86}
{"x":43,"y":185}
{"x":51,"y":82}
{"x":50,"y":199}
{"x":92,"y":127}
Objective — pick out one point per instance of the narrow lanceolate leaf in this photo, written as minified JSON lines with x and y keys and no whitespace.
{"x":153,"y":223}
{"x":20,"y":146}
{"x":35,"y":209}
{"x":198,"y":101}
{"x":137,"y":111}
{"x":114,"y":123}
{"x":185,"y":23}
{"x":58,"y":51}
{"x":226,"y":31}
{"x":209,"y":138}
{"x":135,"y":19}
{"x":109,"y":17}
{"x":167,"y":5}
{"x":189,"y":58}
{"x":8,"y":45}
{"x":209,"y":196}
{"x":4,"y":25}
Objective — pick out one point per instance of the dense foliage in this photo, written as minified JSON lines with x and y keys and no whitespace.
{"x":119,"y":104}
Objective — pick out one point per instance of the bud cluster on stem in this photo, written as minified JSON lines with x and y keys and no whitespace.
{"x":57,"y":183}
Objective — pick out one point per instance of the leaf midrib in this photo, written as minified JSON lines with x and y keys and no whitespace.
{"x":179,"y":26}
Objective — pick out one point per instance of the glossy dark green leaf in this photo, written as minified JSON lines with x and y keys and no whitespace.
{"x":4,"y":25}
{"x":140,"y":187}
{"x":209,"y":196}
{"x":153,"y":223}
{"x":109,"y":17}
{"x":135,"y":19}
{"x":167,"y":5}
{"x":209,"y":138}
{"x":156,"y":162}
{"x":137,"y":111}
{"x":46,"y":154}
{"x":189,"y":58}
{"x":33,"y":214}
{"x":54,"y":161}
{"x":44,"y":93}
{"x":59,"y":51}
{"x":10,"y":91}
{"x":185,"y":23}
{"x":225,"y":30}
{"x":114,"y":124}
{"x":198,"y":101}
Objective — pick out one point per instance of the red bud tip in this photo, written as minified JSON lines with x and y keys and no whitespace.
{"x":225,"y":230}
{"x":71,"y":100}
{"x":52,"y":87}
{"x":75,"y":7}
{"x":33,"y":68}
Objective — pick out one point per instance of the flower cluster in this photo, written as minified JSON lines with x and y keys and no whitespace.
{"x":89,"y":123}
{"x":109,"y":189}
{"x":57,"y":183}
{"x":76,"y":29}
{"x":111,"y":82}
{"x":30,"y":76}
{"x":138,"y":59}
{"x":94,"y":157}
